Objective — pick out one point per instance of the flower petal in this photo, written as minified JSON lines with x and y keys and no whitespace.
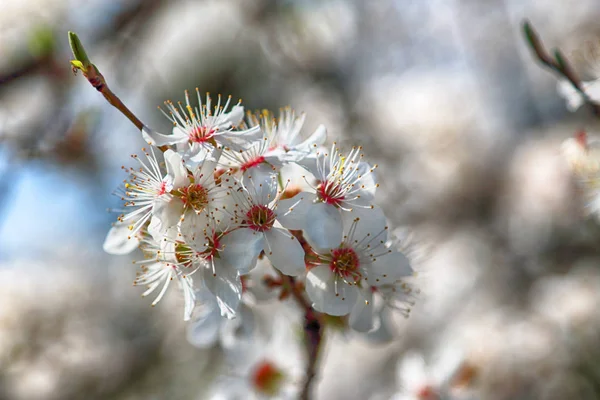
{"x":592,"y":89}
{"x":261,"y":182}
{"x":239,"y":331}
{"x":235,"y":116}
{"x":204,"y":172}
{"x":368,"y":223}
{"x":119,"y":240}
{"x":292,"y":213}
{"x":323,"y":226}
{"x":389,"y":268}
{"x":226,"y":285}
{"x":284,"y":251}
{"x":203,"y":330}
{"x":318,"y":137}
{"x":175,"y":169}
{"x":168,"y":210}
{"x":158,"y":139}
{"x":361,"y":316}
{"x":367,"y":181}
{"x":195,"y":228}
{"x":328,"y":294}
{"x":241,"y":249}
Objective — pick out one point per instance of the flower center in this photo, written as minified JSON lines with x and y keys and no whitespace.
{"x":267,"y":378}
{"x":195,"y":196}
{"x":345,"y":263}
{"x":330,"y":193}
{"x":213,"y":246}
{"x":260,"y":218}
{"x":253,"y":162}
{"x":426,"y":393}
{"x":201,"y":134}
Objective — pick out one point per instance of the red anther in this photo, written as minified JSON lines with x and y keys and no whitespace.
{"x":252,"y":163}
{"x":330,"y":193}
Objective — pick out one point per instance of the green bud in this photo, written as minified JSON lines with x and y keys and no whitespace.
{"x":560,"y":60}
{"x":529,"y":34}
{"x":81,"y":59}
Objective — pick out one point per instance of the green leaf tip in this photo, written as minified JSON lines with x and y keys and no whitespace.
{"x":78,"y":52}
{"x":531,"y":36}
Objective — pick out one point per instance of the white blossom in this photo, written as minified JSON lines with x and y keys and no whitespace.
{"x":201,"y":127}
{"x":162,"y":266}
{"x":345,"y":182}
{"x":268,"y":368}
{"x":361,"y":258}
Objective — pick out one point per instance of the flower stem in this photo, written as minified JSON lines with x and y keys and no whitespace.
{"x":96,"y":79}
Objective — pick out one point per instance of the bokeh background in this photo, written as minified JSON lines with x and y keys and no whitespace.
{"x":443,"y":94}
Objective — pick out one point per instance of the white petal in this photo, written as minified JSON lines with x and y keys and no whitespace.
{"x":310,"y":164}
{"x":168,"y":211}
{"x":571,"y":95}
{"x":592,"y":89}
{"x":292,"y":213}
{"x":119,"y":240}
{"x":323,"y":226}
{"x":240,"y":330}
{"x":194,"y":228}
{"x":203,"y":330}
{"x":241,"y":248}
{"x":158,"y":139}
{"x":284,"y":251}
{"x":368,"y":180}
{"x":383,"y":331}
{"x":175,"y":169}
{"x":240,"y":140}
{"x":412,"y":372}
{"x":226,"y":286}
{"x":257,"y":287}
{"x":371,"y":225}
{"x":328,"y":294}
{"x":261,"y":182}
{"x":318,"y":137}
{"x":361,"y":316}
{"x":205,"y":171}
{"x":154,"y":229}
{"x":389,"y":268}
{"x":235,"y":116}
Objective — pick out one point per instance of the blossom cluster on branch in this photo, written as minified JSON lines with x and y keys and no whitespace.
{"x":232,"y":189}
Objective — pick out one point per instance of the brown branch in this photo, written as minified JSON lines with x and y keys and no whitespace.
{"x":313,"y":332}
{"x":95,"y":78}
{"x":559,"y":64}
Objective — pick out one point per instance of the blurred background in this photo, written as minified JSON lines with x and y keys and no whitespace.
{"x":442,"y":94}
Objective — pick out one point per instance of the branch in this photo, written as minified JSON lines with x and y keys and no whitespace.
{"x":95,"y":78}
{"x":313,"y":332}
{"x":559,"y":64}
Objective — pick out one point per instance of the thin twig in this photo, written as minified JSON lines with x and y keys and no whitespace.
{"x":559,"y":64}
{"x":95,"y":78}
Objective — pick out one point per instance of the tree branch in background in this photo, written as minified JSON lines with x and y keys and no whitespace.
{"x":559,"y":64}
{"x":93,"y":75}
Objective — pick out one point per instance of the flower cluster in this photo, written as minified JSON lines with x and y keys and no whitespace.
{"x":228,"y":190}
